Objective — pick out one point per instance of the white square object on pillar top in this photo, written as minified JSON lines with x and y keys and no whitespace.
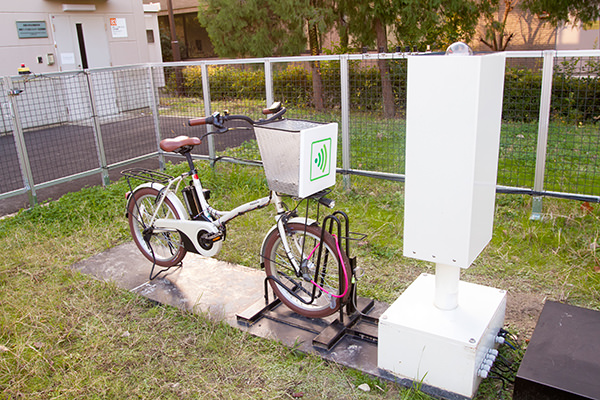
{"x":454,"y":109}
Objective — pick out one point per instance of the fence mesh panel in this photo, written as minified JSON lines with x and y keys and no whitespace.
{"x":180,"y":98}
{"x":573,"y":151}
{"x":240,"y":89}
{"x":132,"y":108}
{"x":123,"y":100}
{"x":520,"y":115}
{"x":310,"y":91}
{"x":10,"y":172}
{"x":57,"y":124}
{"x":377,"y":115}
{"x":293,"y":86}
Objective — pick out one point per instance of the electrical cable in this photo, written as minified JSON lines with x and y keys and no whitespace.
{"x":503,"y":388}
{"x":505,"y":362}
{"x":499,"y":375}
{"x":509,"y":339}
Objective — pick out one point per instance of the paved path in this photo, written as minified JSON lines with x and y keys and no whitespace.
{"x":59,"y":151}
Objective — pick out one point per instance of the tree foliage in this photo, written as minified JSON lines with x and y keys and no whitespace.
{"x":557,"y":11}
{"x":239,"y":28}
{"x":242,"y":28}
{"x":437,"y":23}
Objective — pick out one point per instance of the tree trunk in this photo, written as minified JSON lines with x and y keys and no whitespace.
{"x":384,"y":70}
{"x":317,"y":83}
{"x":343,"y":31}
{"x":499,"y":37}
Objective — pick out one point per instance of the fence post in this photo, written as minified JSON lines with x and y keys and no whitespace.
{"x":269,"y":83}
{"x":97,"y":131}
{"x":208,"y":111}
{"x":19,"y":138}
{"x":154,"y":107}
{"x":542,"y":140}
{"x":345,"y":104}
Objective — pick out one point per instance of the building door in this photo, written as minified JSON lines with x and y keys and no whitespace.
{"x":81,"y":41}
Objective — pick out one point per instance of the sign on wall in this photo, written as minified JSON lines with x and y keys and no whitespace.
{"x":32,"y":29}
{"x":118,"y":27}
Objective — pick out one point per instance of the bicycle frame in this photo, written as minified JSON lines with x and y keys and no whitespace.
{"x":214,"y":220}
{"x":297,"y":254}
{"x":205,"y":235}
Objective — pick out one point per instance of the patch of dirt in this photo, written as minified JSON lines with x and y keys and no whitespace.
{"x":522,"y":312}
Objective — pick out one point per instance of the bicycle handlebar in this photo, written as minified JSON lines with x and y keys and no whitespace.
{"x":276,"y":110}
{"x":200,"y":121}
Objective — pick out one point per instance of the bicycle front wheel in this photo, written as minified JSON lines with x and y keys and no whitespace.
{"x":163,"y":248}
{"x":322,"y":286}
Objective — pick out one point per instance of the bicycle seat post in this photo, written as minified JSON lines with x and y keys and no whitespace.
{"x":188,"y":156}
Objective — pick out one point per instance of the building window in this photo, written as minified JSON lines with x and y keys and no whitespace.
{"x":150,"y":35}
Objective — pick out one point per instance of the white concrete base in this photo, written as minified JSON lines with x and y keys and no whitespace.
{"x":443,"y":349}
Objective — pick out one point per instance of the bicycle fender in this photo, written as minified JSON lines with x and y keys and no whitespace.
{"x":300,"y":220}
{"x":181,"y":210}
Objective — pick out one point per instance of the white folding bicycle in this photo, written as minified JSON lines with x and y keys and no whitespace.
{"x":305,"y":265}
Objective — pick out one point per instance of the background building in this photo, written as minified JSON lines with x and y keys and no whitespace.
{"x":578,"y":36}
{"x":55,"y":35}
{"x":193,"y":39}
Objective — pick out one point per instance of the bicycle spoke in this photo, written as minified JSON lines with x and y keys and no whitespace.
{"x":163,"y":248}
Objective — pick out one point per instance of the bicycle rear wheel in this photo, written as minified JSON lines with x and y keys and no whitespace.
{"x":163,"y":248}
{"x":325,"y":287}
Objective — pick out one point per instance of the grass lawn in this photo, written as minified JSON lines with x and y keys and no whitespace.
{"x":65,"y":335}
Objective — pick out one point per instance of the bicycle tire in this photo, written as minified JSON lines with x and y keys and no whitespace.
{"x":277,"y":266}
{"x":165,"y":248}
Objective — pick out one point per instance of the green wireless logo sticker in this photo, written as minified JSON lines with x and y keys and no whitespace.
{"x":320,"y":154}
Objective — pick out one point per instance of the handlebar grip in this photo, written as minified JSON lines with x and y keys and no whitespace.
{"x":200,"y":121}
{"x":275,"y":107}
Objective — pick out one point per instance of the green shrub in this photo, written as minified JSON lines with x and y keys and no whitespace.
{"x":293,"y":86}
{"x":522,"y":88}
{"x":575,"y":99}
{"x":192,"y":81}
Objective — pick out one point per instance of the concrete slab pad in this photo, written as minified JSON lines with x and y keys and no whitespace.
{"x":202,"y":284}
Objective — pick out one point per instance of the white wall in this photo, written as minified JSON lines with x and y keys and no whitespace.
{"x":14,"y":51}
{"x":151,"y":20}
{"x":577,"y":37}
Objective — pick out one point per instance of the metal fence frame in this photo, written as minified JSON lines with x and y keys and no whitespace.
{"x":10,"y":88}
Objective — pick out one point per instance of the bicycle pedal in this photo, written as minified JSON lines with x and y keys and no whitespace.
{"x":213,"y":237}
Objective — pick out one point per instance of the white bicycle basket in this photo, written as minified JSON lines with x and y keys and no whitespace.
{"x":299,"y":157}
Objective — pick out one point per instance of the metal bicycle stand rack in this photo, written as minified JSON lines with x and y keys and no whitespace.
{"x":351,"y":320}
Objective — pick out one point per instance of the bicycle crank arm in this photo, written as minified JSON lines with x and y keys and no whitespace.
{"x":203,"y":237}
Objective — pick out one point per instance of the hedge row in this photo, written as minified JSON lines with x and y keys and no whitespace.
{"x":574,"y":99}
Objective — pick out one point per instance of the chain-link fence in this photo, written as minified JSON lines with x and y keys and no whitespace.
{"x":62,"y":126}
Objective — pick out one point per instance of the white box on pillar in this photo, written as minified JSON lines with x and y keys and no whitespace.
{"x":440,"y":330}
{"x":454,"y":107}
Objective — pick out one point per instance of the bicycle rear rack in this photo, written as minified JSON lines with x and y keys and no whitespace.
{"x":352,"y":317}
{"x":146,"y":175}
